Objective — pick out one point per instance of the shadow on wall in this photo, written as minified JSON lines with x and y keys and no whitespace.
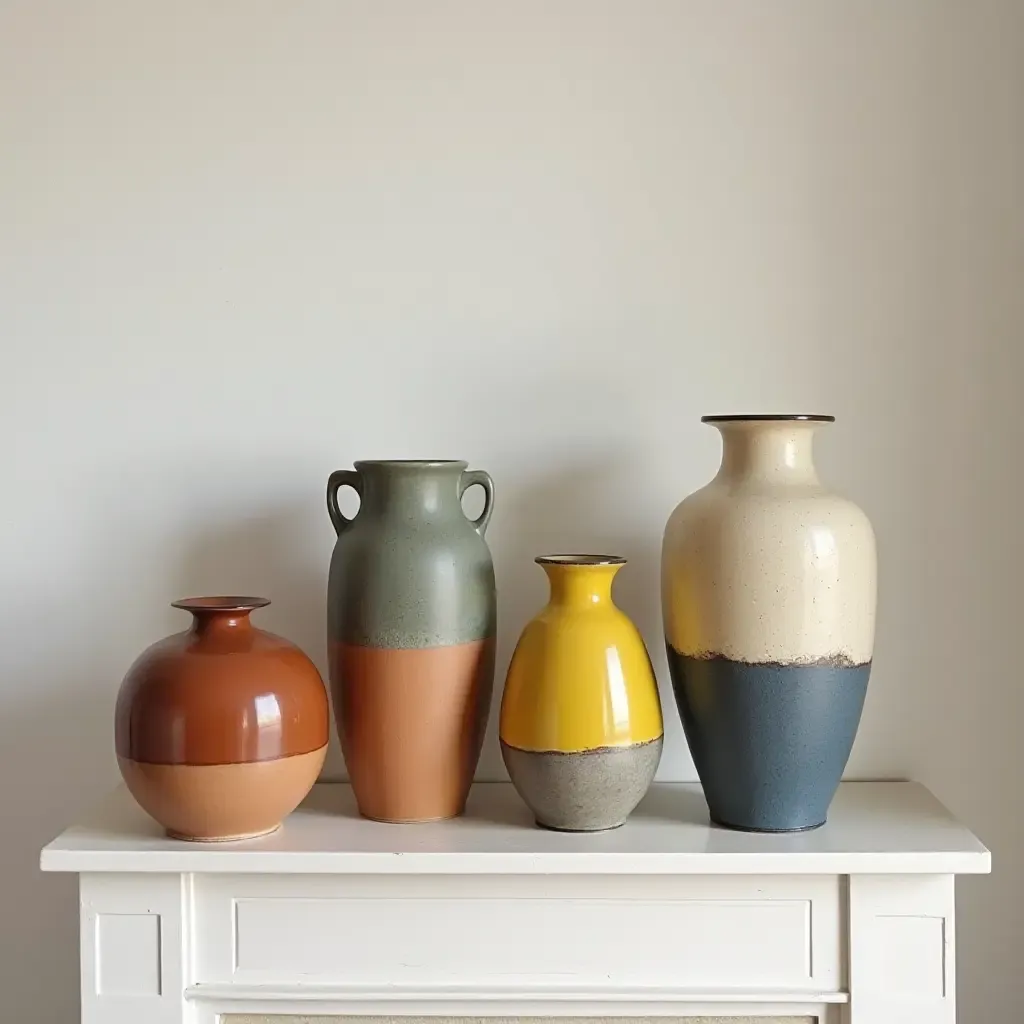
{"x":56,"y":734}
{"x":579,"y":507}
{"x":268,"y":555}
{"x":583,"y":507}
{"x":52,"y":751}
{"x":56,"y":738}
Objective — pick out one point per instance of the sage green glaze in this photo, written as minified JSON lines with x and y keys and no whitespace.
{"x":410,"y":570}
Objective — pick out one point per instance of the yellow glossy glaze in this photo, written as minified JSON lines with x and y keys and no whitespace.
{"x":580,"y":676}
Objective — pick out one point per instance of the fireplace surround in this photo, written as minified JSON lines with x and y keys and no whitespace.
{"x":488,"y":916}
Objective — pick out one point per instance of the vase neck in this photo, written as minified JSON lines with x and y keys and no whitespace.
{"x":212,"y":615}
{"x":210,"y":623}
{"x":411,"y":489}
{"x":581,"y":584}
{"x":768,"y":452}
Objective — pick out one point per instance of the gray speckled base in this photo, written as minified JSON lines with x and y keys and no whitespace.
{"x":770,"y":742}
{"x":585,"y":791}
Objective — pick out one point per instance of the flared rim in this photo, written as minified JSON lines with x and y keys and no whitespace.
{"x":411,"y":463}
{"x":221,"y":604}
{"x":769,"y":417}
{"x":582,"y":560}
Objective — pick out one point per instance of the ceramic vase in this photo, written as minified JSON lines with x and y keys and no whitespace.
{"x":768,"y":594}
{"x":581,"y":725}
{"x":412,"y":612}
{"x":221,"y":730}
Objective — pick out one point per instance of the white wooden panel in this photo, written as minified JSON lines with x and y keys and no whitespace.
{"x":397,"y":940}
{"x":128,"y":954}
{"x":902,"y":953}
{"x":134,"y":938}
{"x":908,"y":955}
{"x":520,"y":931}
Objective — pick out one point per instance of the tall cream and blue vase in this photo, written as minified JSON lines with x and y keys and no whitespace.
{"x":768,"y":595}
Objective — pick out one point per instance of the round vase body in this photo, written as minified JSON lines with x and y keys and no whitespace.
{"x":768,"y":595}
{"x":221,"y":730}
{"x":412,"y":613}
{"x":581,"y":725}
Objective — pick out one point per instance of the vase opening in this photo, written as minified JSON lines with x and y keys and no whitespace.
{"x":412,"y":464}
{"x":221,"y":604}
{"x":770,"y":417}
{"x":580,"y":560}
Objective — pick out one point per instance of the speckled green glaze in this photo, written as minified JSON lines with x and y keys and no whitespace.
{"x":583,"y":791}
{"x":410,"y":570}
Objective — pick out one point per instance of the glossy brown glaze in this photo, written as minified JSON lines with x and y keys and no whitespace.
{"x":222,"y":692}
{"x":411,"y":723}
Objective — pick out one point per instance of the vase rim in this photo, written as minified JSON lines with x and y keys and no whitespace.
{"x":411,"y":463}
{"x":580,"y":560}
{"x":769,"y":417}
{"x":221,"y":604}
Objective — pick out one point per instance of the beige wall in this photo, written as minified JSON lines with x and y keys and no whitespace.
{"x":244,"y":243}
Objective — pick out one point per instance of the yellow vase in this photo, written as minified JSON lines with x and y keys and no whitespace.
{"x":581,"y":726}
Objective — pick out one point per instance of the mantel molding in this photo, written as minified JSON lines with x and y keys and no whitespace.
{"x":488,"y":916}
{"x":210,"y":1002}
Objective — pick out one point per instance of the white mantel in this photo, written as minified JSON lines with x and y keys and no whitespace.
{"x":489,"y":916}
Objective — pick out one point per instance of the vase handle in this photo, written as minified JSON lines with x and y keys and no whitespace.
{"x":479,"y":476}
{"x":338,"y":479}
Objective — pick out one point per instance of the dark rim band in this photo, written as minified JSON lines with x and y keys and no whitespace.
{"x":769,"y":418}
{"x":221,"y":604}
{"x":580,"y":560}
{"x":410,"y":463}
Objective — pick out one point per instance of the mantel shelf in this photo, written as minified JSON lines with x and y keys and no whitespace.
{"x":873,"y":828}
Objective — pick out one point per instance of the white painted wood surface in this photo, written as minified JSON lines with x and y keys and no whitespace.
{"x":876,"y":827}
{"x":489,"y":916}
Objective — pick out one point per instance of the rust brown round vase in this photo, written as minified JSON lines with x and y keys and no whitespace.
{"x":221,"y":730}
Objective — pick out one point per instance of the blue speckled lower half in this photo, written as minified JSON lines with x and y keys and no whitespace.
{"x":770,"y":742}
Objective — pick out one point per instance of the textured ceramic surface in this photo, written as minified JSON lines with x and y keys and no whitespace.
{"x":412,"y":612}
{"x":583,"y":791}
{"x":581,"y":725}
{"x":768,"y":593}
{"x":221,"y":730}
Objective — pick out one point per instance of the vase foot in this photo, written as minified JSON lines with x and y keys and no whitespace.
{"x":764,"y":831}
{"x":221,"y":839}
{"x":578,"y":831}
{"x":412,"y":821}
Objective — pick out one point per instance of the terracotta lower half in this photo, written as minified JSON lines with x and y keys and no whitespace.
{"x":222,"y":802}
{"x":411,"y":723}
